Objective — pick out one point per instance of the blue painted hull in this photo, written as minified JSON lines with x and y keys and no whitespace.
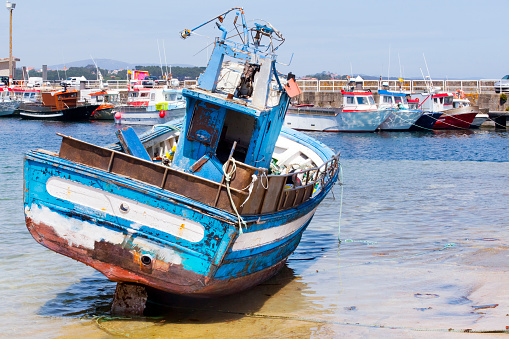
{"x":186,"y":248}
{"x":401,"y":120}
{"x":7,"y":108}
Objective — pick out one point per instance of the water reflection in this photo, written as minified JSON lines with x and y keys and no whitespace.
{"x":274,"y":308}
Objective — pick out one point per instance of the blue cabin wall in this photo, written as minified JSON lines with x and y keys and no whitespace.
{"x":201,"y":136}
{"x":269,"y":132}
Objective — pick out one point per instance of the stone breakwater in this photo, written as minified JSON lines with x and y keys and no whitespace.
{"x":491,"y":101}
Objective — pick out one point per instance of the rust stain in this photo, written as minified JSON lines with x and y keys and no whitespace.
{"x":123,"y":265}
{"x":181,"y":229}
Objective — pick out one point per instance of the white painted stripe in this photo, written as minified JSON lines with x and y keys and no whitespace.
{"x":260,"y":238}
{"x":134,"y":211}
{"x":84,"y":234}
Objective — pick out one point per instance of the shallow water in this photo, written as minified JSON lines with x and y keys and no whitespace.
{"x":424,"y":250}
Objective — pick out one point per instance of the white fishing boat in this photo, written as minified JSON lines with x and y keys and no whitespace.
{"x":402,"y":116}
{"x":358,"y":113}
{"x":7,"y":104}
{"x":150,"y":106}
{"x":462,"y":104}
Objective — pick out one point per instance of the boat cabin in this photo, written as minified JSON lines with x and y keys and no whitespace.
{"x":460,"y":102}
{"x":240,"y":117}
{"x":413,"y":103}
{"x":58,"y":101}
{"x":434,"y":102}
{"x":392,"y":100}
{"x":358,"y":101}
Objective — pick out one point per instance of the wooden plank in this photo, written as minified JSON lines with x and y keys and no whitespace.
{"x":131,"y":143}
{"x":272,"y":194}
{"x":84,"y":153}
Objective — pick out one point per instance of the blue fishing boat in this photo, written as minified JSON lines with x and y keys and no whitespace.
{"x":402,"y":117}
{"x":208,"y":205}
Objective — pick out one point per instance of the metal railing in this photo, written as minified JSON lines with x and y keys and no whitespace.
{"x":468,"y":86}
{"x":91,"y":84}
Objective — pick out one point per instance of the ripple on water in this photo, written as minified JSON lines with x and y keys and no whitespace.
{"x":424,"y":240}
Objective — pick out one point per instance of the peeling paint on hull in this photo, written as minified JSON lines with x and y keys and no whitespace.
{"x":122,"y":265}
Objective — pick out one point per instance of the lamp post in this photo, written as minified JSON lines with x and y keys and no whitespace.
{"x":10,"y":6}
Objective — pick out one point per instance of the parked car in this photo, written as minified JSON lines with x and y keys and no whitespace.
{"x":149,"y":81}
{"x":502,"y":85}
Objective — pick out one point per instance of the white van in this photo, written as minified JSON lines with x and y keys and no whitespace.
{"x":73,"y":81}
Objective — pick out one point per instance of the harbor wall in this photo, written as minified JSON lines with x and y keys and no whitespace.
{"x":491,"y":101}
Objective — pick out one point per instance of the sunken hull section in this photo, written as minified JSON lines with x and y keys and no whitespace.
{"x":132,"y":231}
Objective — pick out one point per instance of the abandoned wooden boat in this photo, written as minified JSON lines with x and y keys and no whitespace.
{"x":58,"y":105}
{"x":209,"y":206}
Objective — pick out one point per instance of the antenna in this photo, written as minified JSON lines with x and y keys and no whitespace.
{"x":389,"y":67}
{"x":99,"y":75}
{"x":430,"y":81}
{"x":399,"y":62}
{"x":165,"y":61}
{"x":160,"y":61}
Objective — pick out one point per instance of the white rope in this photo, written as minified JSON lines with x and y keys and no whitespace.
{"x":264,"y":174}
{"x":249,"y":188}
{"x":228,"y":176}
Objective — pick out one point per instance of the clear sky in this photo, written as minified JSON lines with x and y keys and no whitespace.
{"x":459,"y":39}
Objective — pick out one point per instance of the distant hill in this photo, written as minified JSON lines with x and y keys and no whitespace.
{"x":108,"y":64}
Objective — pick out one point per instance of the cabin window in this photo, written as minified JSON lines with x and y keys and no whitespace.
{"x":362,"y":100}
{"x":447,"y":100}
{"x":152,"y":96}
{"x":371,"y":100}
{"x":388,"y":100}
{"x":349,"y":100}
{"x":170,"y":96}
{"x":236,"y":127}
{"x":398,"y":100}
{"x":144,"y":95}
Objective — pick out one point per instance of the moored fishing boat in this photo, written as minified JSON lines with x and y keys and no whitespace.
{"x":7,"y":104}
{"x":402,"y":116}
{"x":461,"y":103}
{"x":359,"y":113}
{"x":105,"y":98}
{"x":58,"y":105}
{"x":450,"y":117}
{"x":210,"y":206}
{"x":480,"y":118}
{"x":426,"y":120}
{"x":150,"y":106}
